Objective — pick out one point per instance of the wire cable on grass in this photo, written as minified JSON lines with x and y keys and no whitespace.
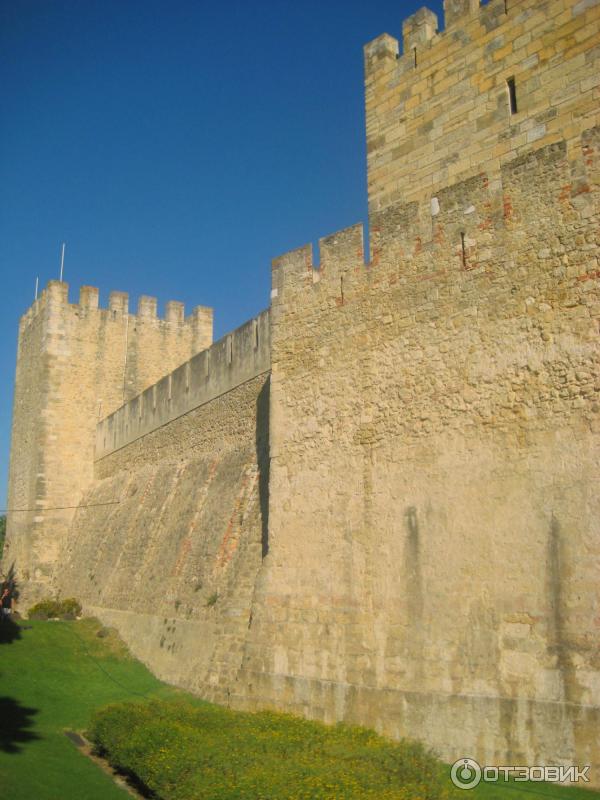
{"x":102,"y":669}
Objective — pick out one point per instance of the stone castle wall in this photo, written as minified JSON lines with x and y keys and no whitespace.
{"x":173,"y":563}
{"x":378,"y":502}
{"x":170,"y":536}
{"x":75,"y":364}
{"x":236,"y":358}
{"x":433,"y":521}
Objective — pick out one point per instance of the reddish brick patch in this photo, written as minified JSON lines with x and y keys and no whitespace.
{"x":588,"y":276}
{"x":565,"y":193}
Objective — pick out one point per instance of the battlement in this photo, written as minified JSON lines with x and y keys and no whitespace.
{"x":56,"y":296}
{"x":365,"y":457}
{"x":421,"y":30}
{"x":500,"y":76}
{"x":448,"y":237}
{"x":340,"y":253}
{"x":449,"y":121}
{"x":236,"y":358}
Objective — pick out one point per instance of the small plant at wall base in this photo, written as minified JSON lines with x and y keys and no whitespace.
{"x":69,"y":608}
{"x":212,"y":599}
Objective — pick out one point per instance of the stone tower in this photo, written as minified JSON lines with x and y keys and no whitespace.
{"x":76,"y":363}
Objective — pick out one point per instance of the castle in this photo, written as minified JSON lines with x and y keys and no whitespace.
{"x":377,"y":501}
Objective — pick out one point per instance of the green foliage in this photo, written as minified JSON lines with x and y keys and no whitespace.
{"x":45,"y":609}
{"x":59,"y":673}
{"x":69,"y":608}
{"x":2,"y":532}
{"x":180,"y":750}
{"x":212,"y":600}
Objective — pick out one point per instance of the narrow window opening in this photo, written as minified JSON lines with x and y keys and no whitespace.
{"x":207,"y":364}
{"x":342,"y":288}
{"x":187,"y":376}
{"x":463,"y":248}
{"x":229,"y":350}
{"x":506,"y":6}
{"x":512,"y":95}
{"x":415,"y":56}
{"x":169,"y":389}
{"x":256,"y":334}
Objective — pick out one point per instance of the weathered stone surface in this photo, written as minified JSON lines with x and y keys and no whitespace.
{"x":173,"y":564}
{"x":76,"y":363}
{"x":398,"y":527}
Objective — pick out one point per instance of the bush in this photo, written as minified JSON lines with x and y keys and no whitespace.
{"x":181,"y":750}
{"x":70,"y":608}
{"x":45,"y":609}
{"x":51,"y":609}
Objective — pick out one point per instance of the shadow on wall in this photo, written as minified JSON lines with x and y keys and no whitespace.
{"x":263,"y":461}
{"x":412,"y":566}
{"x":558,"y":639}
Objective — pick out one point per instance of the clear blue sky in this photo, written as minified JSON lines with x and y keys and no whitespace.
{"x":177,"y":147}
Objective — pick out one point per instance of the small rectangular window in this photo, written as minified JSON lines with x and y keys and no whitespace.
{"x":512,"y":95}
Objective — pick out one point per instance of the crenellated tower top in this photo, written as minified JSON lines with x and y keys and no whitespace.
{"x":77,"y":363}
{"x":455,"y":108}
{"x":56,"y":295}
{"x":502,"y":76}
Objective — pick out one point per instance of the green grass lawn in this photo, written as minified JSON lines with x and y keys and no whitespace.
{"x":52,"y":677}
{"x":183,"y":751}
{"x":529,"y":791}
{"x":56,"y":674}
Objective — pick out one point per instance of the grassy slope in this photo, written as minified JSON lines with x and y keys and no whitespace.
{"x":58,"y":670}
{"x":50,"y":671}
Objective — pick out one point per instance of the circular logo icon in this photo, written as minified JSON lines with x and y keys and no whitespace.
{"x":465,"y":773}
